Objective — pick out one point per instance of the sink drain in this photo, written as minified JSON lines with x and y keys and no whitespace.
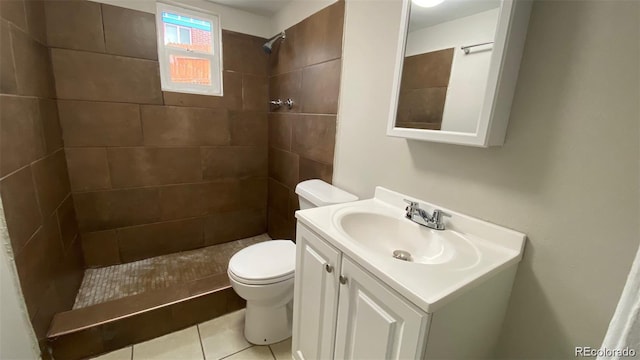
{"x":402,"y":255}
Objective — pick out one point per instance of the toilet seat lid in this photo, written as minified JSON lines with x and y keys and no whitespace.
{"x":268,"y":261}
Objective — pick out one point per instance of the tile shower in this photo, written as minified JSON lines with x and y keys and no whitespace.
{"x":306,"y":68}
{"x":105,"y":176}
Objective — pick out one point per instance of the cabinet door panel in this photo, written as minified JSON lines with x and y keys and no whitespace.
{"x":315,"y":296}
{"x":374,"y":322}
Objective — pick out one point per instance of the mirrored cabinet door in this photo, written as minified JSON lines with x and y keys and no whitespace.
{"x":456,"y":70}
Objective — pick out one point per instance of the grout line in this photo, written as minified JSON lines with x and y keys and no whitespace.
{"x":49,"y":155}
{"x":105,"y":52}
{"x":155,"y":223}
{"x":20,"y":96}
{"x":26,"y":29}
{"x":15,"y":172}
{"x":242,"y":87}
{"x":203,"y":182}
{"x":141,"y":122}
{"x":222,"y":146}
{"x":163,"y":104}
{"x":57,"y":215}
{"x":18,"y":252}
{"x":273,"y":355}
{"x":116,"y":234}
{"x":41,"y":227}
{"x":31,"y":163}
{"x":237,"y":352}
{"x":281,"y":183}
{"x":293,"y":113}
{"x":111,"y":101}
{"x":204,"y":356}
{"x":67,"y":251}
{"x":104,"y":33}
{"x":132,"y":351}
{"x":106,"y":158}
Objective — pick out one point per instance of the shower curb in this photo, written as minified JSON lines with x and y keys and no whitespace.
{"x":101,"y":328}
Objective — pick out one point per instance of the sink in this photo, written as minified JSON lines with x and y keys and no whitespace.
{"x":399,"y":239}
{"x":429,"y":267}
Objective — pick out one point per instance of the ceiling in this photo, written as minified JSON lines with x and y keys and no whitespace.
{"x":449,"y":10}
{"x":259,"y":7}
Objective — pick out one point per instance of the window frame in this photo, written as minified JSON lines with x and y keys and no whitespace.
{"x":165,"y":52}
{"x":178,"y":28}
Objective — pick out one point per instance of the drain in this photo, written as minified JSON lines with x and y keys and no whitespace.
{"x":402,"y":255}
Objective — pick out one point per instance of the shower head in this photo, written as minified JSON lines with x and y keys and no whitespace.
{"x":269,"y":44}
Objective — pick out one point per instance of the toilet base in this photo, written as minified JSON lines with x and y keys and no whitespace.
{"x":267,"y":325}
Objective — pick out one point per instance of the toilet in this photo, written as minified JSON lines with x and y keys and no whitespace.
{"x":262,"y":273}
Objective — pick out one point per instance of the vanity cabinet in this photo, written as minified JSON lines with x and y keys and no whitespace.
{"x":354,"y":300}
{"x":373,"y":321}
{"x":343,"y":312}
{"x":315,"y":294}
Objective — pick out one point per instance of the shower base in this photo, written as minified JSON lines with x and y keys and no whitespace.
{"x":128,"y":303}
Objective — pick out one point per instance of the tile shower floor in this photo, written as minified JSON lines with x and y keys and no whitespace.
{"x":220,"y":338}
{"x":115,"y":282}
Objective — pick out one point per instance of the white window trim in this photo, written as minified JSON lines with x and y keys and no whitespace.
{"x":164,"y":52}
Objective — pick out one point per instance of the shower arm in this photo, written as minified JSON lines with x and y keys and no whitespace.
{"x":269,"y":44}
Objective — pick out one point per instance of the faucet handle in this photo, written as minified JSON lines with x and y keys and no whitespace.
{"x":437,"y":216}
{"x":411,"y":203}
{"x":441,"y":212}
{"x":278,"y":103}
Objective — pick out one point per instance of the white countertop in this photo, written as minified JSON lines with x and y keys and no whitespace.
{"x":427,"y":286}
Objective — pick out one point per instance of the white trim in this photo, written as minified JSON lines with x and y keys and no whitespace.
{"x":503,"y":74}
{"x":164,"y":52}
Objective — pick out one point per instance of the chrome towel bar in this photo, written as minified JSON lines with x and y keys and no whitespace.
{"x":466,"y":48}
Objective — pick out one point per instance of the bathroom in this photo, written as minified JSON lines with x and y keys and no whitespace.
{"x":124,"y":201}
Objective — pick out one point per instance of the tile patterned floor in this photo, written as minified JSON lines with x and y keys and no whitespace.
{"x":220,"y":338}
{"x":118,"y":281}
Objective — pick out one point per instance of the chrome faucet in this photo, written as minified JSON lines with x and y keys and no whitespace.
{"x":421,"y":217}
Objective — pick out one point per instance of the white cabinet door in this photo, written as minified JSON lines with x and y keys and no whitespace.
{"x":315,"y":298}
{"x":374,"y":322}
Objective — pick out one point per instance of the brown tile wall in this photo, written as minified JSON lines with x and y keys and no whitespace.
{"x":34,"y":186}
{"x":306,"y":68}
{"x":155,"y":172}
{"x":423,"y":90}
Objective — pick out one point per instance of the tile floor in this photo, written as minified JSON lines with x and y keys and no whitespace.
{"x":220,"y":338}
{"x":118,"y":281}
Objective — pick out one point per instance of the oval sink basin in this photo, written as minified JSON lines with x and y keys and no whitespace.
{"x":402,"y":240}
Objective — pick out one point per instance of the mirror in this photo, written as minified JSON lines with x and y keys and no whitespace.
{"x":456,"y":70}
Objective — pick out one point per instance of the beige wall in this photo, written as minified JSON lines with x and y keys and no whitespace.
{"x":567,"y":176}
{"x":296,"y":11}
{"x":17,"y":340}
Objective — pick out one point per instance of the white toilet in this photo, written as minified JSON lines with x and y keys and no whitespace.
{"x":263,"y":273}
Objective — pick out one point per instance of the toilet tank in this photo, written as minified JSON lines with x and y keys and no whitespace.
{"x":314,"y":193}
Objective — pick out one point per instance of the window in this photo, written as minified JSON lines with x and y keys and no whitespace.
{"x":174,"y":34}
{"x":189,"y":45}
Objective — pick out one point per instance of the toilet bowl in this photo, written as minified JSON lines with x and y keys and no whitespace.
{"x":263,"y":273}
